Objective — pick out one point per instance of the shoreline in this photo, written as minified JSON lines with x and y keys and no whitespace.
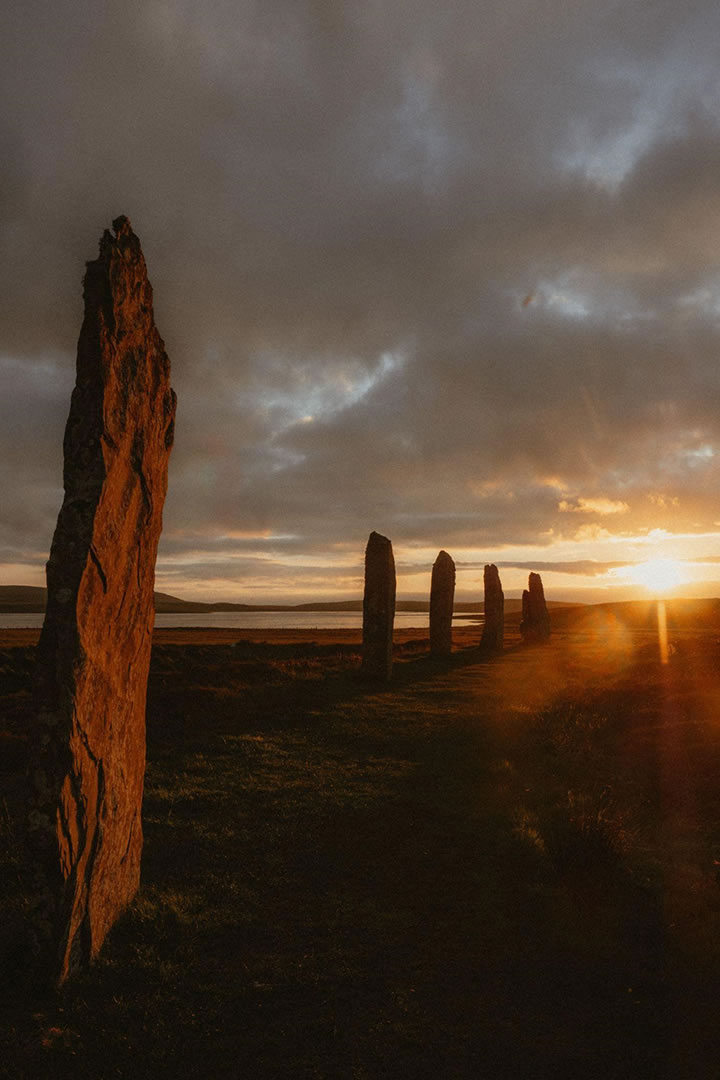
{"x":463,"y":637}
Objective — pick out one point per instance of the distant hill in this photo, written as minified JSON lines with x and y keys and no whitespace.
{"x":28,"y":599}
{"x":22,"y":598}
{"x":690,"y":614}
{"x":32,"y":598}
{"x":163,"y":602}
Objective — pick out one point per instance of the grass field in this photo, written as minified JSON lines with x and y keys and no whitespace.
{"x":491,"y":868}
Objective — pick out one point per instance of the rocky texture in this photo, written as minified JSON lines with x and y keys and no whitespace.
{"x":442,"y":598}
{"x":378,"y":608}
{"x":494,"y":607}
{"x":94,"y":649}
{"x":535,"y":625}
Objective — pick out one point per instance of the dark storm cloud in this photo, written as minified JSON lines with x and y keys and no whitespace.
{"x":434,"y":271}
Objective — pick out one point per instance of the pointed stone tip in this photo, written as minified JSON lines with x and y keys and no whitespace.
{"x":121,"y":225}
{"x":121,"y":239}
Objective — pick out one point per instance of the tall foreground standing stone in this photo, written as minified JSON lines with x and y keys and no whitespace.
{"x":494,"y":607}
{"x":442,"y":598}
{"x":94,"y":651}
{"x":378,"y":608}
{"x":535,"y":625}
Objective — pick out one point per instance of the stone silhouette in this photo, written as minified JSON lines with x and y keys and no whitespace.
{"x":535,"y":625}
{"x":442,"y":597}
{"x":378,"y":608}
{"x":94,"y":650}
{"x":494,"y":607}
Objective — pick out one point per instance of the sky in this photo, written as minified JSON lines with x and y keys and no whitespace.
{"x":450,"y":272}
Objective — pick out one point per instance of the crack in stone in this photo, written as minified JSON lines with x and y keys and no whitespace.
{"x":98,"y":566}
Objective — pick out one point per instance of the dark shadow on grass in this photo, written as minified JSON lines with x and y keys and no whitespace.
{"x":268,"y":687}
{"x":409,"y":931}
{"x":334,"y":886}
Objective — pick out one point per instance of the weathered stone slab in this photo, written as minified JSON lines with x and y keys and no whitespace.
{"x":378,"y":608}
{"x":442,"y":598}
{"x":494,"y":606}
{"x":94,"y":650}
{"x":535,"y":625}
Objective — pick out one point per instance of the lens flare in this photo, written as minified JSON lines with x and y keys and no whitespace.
{"x":662,"y":632}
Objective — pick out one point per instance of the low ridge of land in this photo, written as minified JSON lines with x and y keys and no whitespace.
{"x":32,"y":599}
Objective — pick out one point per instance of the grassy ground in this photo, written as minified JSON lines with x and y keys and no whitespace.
{"x":492,"y":868}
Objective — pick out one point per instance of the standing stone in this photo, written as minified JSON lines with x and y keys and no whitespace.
{"x":378,"y":608}
{"x":442,"y":598}
{"x":535,"y":625}
{"x":94,"y":650}
{"x":494,"y":607}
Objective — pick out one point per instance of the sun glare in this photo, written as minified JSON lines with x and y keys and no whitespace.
{"x":658,"y":575}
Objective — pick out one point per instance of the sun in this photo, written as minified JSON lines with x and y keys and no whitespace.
{"x":658,"y":575}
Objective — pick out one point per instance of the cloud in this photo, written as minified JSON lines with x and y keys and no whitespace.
{"x":477,"y":249}
{"x":600,"y":506}
{"x":582,"y":567}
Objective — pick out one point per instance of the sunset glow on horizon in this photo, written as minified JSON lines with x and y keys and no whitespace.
{"x":578,"y":572}
{"x":275,"y":569}
{"x":656,"y":575}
